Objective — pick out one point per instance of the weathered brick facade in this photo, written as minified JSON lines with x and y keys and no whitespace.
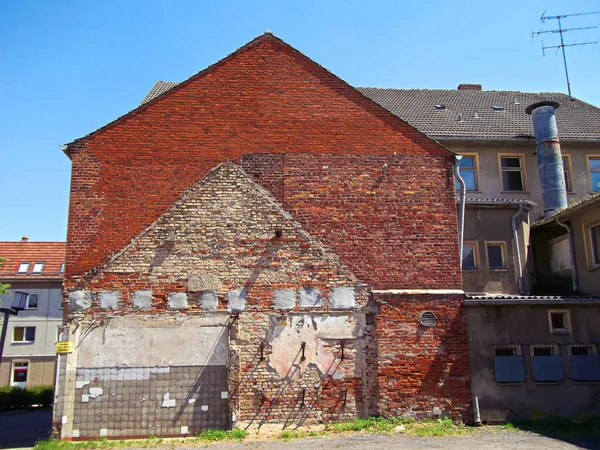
{"x":269,"y":203}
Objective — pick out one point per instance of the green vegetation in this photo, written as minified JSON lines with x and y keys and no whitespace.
{"x":408,"y":426}
{"x":3,"y":286}
{"x":222,"y":435}
{"x":18,"y":398}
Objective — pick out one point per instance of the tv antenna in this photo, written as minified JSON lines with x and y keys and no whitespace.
{"x":560,"y":32}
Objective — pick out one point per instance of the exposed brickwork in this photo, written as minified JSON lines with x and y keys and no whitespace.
{"x":423,"y":371}
{"x":267,"y":97}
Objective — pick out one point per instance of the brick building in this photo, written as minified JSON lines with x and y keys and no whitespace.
{"x":261,"y":243}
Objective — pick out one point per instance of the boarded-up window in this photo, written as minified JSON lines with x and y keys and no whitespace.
{"x":509,"y":366}
{"x":547,"y":364}
{"x":560,"y":259}
{"x":585,"y":365}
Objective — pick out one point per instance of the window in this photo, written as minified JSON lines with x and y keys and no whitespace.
{"x":547,"y":363}
{"x":595,"y":245}
{"x":594,"y":167}
{"x":559,"y":320}
{"x":496,"y":255}
{"x":19,"y":374}
{"x":585,"y":364}
{"x":470,"y":256}
{"x":23,"y":267}
{"x":468,"y":172}
{"x":512,"y":173}
{"x":566,"y":160}
{"x":509,"y":366}
{"x":24,"y":334}
{"x":32,"y":301}
{"x":38,"y":267}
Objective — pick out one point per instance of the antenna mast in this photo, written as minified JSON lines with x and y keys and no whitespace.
{"x":560,"y":32}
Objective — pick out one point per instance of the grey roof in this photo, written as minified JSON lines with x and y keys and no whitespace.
{"x":499,"y":201}
{"x":575,"y":119}
{"x":159,"y":88}
{"x":588,"y":201}
{"x":516,"y":299}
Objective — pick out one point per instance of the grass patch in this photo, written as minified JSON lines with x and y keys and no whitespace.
{"x":288,"y":435}
{"x":222,"y":435}
{"x":407,"y":426}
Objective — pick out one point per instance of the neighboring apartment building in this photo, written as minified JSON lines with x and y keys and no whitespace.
{"x":36,"y":268}
{"x":493,"y":132}
{"x":534,"y":342}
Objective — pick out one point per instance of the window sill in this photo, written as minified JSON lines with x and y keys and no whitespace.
{"x":550,"y":383}
{"x":510,"y":383}
{"x":560,"y":331}
{"x":22,"y":342}
{"x":514,"y":192}
{"x":476,"y":269}
{"x":498,"y":270}
{"x":591,"y":269}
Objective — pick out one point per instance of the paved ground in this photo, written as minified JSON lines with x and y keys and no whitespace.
{"x":23,"y":428}
{"x":504,"y":440}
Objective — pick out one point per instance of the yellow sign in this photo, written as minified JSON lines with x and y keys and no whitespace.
{"x":64,"y":347}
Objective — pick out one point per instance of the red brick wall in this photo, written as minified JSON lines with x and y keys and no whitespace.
{"x":423,"y":370}
{"x":267,"y":97}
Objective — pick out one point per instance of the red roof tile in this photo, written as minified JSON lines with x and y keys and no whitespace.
{"x":52,"y":254}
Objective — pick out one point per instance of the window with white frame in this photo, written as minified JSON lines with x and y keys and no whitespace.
{"x":24,"y":334}
{"x":470,"y":257}
{"x":19,"y":373}
{"x":511,"y":167}
{"x":32,"y":301}
{"x":23,"y":267}
{"x":594,"y":167}
{"x":38,"y":267}
{"x":468,"y":172}
{"x":559,"y":321}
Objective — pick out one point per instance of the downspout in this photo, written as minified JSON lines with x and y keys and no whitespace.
{"x":461,"y":207}
{"x":571,"y":252}
{"x":516,"y":237}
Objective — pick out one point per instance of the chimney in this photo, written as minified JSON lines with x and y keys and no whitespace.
{"x":552,"y":176}
{"x":469,"y":87}
{"x":24,"y":239}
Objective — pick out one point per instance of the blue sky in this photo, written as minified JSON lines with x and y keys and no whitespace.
{"x":69,"y":67}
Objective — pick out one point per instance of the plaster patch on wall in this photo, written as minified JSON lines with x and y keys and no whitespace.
{"x":198,"y":283}
{"x":142,"y":299}
{"x":85,"y":398}
{"x":103,"y":432}
{"x":204,"y":407}
{"x":224,"y":394}
{"x":95,"y":392}
{"x":310,"y":297}
{"x":109,"y":300}
{"x":184,"y":430}
{"x":80,"y":300}
{"x":285,"y":298}
{"x":209,"y":301}
{"x":81,"y":383}
{"x":236,"y":300}
{"x":167,"y":402}
{"x":286,"y":338}
{"x":178,"y":300}
{"x":75,"y":433}
{"x":119,"y":373}
{"x":342,"y":298}
{"x":191,"y":401}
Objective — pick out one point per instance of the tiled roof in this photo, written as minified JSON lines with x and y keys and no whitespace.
{"x":588,"y":201}
{"x":575,"y":118}
{"x":52,"y":254}
{"x":159,"y":88}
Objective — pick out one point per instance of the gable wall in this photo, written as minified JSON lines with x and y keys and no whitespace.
{"x":265,"y":98}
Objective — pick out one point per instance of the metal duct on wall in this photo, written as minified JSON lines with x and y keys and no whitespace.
{"x":552,"y":176}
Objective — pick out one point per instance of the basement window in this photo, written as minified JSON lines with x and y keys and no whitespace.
{"x":547,"y":363}
{"x":585,"y":363}
{"x":23,"y":267}
{"x":509,"y":366}
{"x":559,"y":321}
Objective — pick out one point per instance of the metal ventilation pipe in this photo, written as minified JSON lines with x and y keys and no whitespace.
{"x":552,"y":176}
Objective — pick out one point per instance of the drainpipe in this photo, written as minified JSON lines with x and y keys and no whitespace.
{"x":516,"y":237}
{"x":461,"y":208}
{"x":571,"y":252}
